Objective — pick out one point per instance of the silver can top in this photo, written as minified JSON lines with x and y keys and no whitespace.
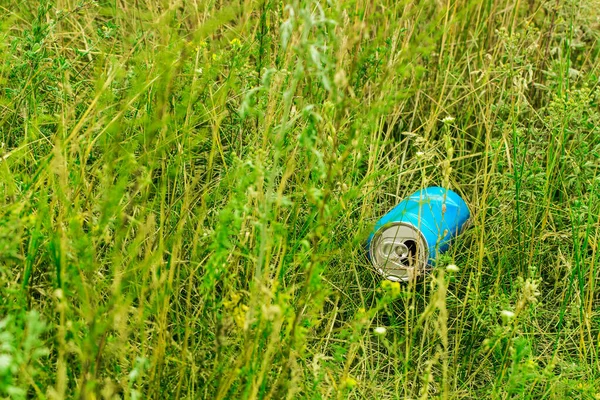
{"x":399,"y":251}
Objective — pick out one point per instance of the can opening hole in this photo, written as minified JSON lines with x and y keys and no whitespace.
{"x":412,"y":250}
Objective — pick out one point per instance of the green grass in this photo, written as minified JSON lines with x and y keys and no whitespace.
{"x":186,"y":188}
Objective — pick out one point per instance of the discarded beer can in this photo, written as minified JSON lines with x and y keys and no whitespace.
{"x":407,"y":240}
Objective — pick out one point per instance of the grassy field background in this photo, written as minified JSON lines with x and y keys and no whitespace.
{"x":186,"y":188}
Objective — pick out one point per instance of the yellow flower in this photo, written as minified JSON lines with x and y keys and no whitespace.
{"x":349,"y":382}
{"x":392,"y":287}
{"x":239,"y":315}
{"x":236,"y":308}
{"x":202,"y":45}
{"x":232,"y":302}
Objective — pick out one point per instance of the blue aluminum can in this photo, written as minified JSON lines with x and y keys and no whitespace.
{"x":407,"y":240}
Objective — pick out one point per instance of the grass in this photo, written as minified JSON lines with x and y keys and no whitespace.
{"x":186,"y":187}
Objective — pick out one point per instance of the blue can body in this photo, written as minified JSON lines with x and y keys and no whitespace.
{"x":437,"y":214}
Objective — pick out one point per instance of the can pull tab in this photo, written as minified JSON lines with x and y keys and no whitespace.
{"x":397,"y":251}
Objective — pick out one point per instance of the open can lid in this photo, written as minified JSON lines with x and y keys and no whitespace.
{"x":399,"y":251}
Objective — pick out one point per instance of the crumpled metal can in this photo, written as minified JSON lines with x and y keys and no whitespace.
{"x":406,"y":241}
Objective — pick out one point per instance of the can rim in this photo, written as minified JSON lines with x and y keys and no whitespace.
{"x":376,"y":236}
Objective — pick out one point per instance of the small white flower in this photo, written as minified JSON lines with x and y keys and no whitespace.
{"x":507,"y":315}
{"x":420,"y":154}
{"x":448,"y":119}
{"x":452,"y":268}
{"x":380,"y":331}
{"x":5,"y":362}
{"x":271,"y":311}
